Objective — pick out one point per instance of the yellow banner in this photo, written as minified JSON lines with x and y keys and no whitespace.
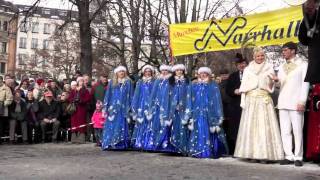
{"x":270,"y":28}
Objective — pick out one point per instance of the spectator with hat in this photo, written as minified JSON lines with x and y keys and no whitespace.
{"x":31,"y":117}
{"x":234,"y":109}
{"x":39,"y":89}
{"x":6,"y":99}
{"x":55,"y":89}
{"x":80,"y":97}
{"x":49,"y":111}
{"x":17,"y":111}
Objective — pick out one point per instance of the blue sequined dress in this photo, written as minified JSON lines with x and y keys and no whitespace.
{"x":207,"y":138}
{"x":139,"y":105}
{"x":158,"y":133}
{"x":178,"y":104}
{"x":117,"y":105}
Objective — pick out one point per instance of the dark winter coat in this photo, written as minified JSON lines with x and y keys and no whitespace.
{"x":313,"y":75}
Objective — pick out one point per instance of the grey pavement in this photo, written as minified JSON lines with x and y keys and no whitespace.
{"x":67,"y":161}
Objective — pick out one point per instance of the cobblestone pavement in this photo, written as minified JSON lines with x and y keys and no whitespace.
{"x":67,"y":161}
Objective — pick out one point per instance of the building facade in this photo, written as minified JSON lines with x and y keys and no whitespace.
{"x":8,"y":35}
{"x":35,"y":36}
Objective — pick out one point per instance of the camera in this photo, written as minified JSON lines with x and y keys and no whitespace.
{"x":312,"y":31}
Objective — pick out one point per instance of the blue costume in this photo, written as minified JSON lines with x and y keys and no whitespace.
{"x":117,"y":105}
{"x":207,"y":138}
{"x":178,"y":103}
{"x":158,"y":133}
{"x":139,"y":106}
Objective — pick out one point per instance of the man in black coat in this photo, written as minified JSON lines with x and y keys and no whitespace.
{"x":234,"y":109}
{"x":49,"y":112}
{"x":309,"y":35}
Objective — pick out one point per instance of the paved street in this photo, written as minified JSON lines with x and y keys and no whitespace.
{"x":66,"y":161}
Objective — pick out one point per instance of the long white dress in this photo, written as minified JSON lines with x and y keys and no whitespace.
{"x":259,"y":134}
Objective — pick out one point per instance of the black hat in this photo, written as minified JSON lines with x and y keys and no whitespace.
{"x":290,"y":45}
{"x":239,"y":58}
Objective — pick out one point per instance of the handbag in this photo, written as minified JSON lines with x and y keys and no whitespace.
{"x":71,"y":108}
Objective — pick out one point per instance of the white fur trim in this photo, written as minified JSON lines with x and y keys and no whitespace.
{"x":165,"y":67}
{"x":178,"y":67}
{"x":147,"y":67}
{"x":80,"y":78}
{"x":212,"y":129}
{"x":204,"y":70}
{"x":317,"y":105}
{"x":140,"y":120}
{"x":73,"y":83}
{"x":128,"y":120}
{"x":191,"y":125}
{"x":119,"y":68}
{"x":148,"y":115}
{"x":168,"y":123}
{"x":184,"y":122}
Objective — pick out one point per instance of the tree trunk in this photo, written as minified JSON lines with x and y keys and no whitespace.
{"x":85,"y":37}
{"x":122,"y":39}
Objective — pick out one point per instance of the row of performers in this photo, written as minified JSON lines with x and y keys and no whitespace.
{"x":168,"y":114}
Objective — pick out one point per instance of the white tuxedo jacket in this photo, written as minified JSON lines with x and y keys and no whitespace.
{"x":293,"y":89}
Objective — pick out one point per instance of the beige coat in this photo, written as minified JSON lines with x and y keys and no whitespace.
{"x":6,"y":97}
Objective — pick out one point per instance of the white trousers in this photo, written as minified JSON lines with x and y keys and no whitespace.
{"x":291,"y":123}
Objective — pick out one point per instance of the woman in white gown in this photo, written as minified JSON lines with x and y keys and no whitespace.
{"x":259,"y":135}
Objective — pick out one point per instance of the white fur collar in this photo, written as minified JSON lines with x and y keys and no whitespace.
{"x":179,"y":78}
{"x":147,"y":79}
{"x":164,"y":76}
{"x":122,"y":80}
{"x":207,"y":80}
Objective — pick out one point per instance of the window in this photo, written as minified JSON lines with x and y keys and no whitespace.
{"x":23,"y":27}
{"x":2,"y":68}
{"x":45,"y":44}
{"x":46,"y":29}
{"x":23,"y":43}
{"x":4,"y":47}
{"x":63,"y":13}
{"x":34,"y":43}
{"x":46,"y":11}
{"x":5,"y":26}
{"x":34,"y":59}
{"x":22,"y":58}
{"x":35,"y":27}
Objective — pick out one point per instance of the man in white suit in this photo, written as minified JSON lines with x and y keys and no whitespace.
{"x":291,"y":103}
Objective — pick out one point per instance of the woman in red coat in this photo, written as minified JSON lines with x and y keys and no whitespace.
{"x":81,"y":97}
{"x":313,"y":138}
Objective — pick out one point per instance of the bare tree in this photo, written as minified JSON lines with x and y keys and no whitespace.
{"x":65,"y":54}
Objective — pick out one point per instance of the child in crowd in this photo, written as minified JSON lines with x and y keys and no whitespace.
{"x":98,"y":119}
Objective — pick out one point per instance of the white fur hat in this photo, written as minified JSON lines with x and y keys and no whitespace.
{"x":147,"y":67}
{"x":80,"y":78}
{"x":165,"y":67}
{"x":119,"y":68}
{"x":73,"y":83}
{"x":204,"y":70}
{"x":178,"y":67}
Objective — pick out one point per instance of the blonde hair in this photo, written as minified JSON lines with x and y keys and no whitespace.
{"x":257,"y":50}
{"x":115,"y":79}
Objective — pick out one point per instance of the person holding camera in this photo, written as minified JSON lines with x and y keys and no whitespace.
{"x":309,"y":35}
{"x":80,"y":97}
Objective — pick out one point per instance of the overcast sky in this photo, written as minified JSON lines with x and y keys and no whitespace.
{"x":257,"y":5}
